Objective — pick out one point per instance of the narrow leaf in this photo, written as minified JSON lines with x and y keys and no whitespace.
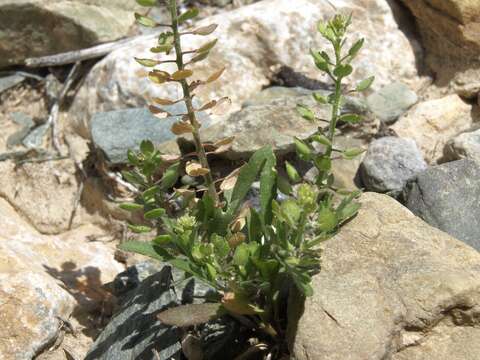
{"x":182,"y":74}
{"x":189,"y":14}
{"x":365,"y":84}
{"x":147,"y":62}
{"x":207,"y":47}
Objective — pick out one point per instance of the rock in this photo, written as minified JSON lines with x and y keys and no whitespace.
{"x":432,"y":123}
{"x":274,"y":123}
{"x":134,"y":331}
{"x":26,"y":123}
{"x":465,"y":145}
{"x":43,"y":193}
{"x":9,"y":81}
{"x":115,"y":132}
{"x":389,"y":163}
{"x":44,"y":279}
{"x":252,"y":39}
{"x":450,"y":29}
{"x":391,"y":287}
{"x":33,"y":28}
{"x":446,"y":196}
{"x":392,"y":101}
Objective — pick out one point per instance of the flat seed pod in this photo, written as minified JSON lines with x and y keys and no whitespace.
{"x":207,"y":47}
{"x":147,"y":62}
{"x":182,"y":74}
{"x":195,"y":169}
{"x":181,"y":127}
{"x":158,"y":77}
{"x":164,"y":101}
{"x":215,"y":76}
{"x":145,"y":20}
{"x":156,"y":111}
{"x":205,"y":30}
{"x":199,"y":57}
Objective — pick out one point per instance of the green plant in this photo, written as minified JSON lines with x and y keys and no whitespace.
{"x":252,"y":257}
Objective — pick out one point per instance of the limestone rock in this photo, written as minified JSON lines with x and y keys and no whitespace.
{"x":446,"y":196}
{"x":43,"y":279}
{"x":433,"y":123}
{"x":389,"y":163}
{"x":450,"y":30}
{"x":391,"y":287}
{"x":252,"y":40}
{"x":31,"y":28}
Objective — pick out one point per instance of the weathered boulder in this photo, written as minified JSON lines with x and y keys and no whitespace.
{"x":391,"y":101}
{"x":389,"y":163}
{"x":450,"y":30}
{"x":391,"y":287}
{"x":465,"y":145}
{"x":30,"y":28}
{"x":252,"y":39}
{"x":43,"y":279}
{"x":446,"y":196}
{"x":433,"y":123}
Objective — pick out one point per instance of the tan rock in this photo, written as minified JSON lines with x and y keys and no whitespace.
{"x":252,"y":41}
{"x":44,"y":279}
{"x":433,"y":123}
{"x":451,"y":35}
{"x":391,"y":287}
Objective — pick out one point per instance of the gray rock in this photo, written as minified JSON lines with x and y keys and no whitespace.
{"x":447,"y":197}
{"x":26,"y":124}
{"x":115,"y":132}
{"x":392,"y":101}
{"x":134,"y":331}
{"x":466,"y":145}
{"x":9,"y":81}
{"x":389,"y":163}
{"x":35,"y":138}
{"x":391,"y":288}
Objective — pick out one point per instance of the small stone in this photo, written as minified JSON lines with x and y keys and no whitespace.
{"x":465,"y":145}
{"x":35,"y":138}
{"x":9,"y":81}
{"x":389,"y":163}
{"x":447,"y":197}
{"x":391,"y":102}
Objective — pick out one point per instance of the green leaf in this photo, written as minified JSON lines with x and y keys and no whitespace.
{"x":143,"y":248}
{"x":320,"y":98}
{"x":146,"y":147}
{"x":162,"y":49}
{"x":268,"y":187}
{"x":292,"y":173}
{"x":139,"y":229}
{"x":352,"y":153}
{"x":170,"y":176}
{"x":306,"y":112}
{"x":284,"y":185}
{"x":348,"y":211}
{"x":327,"y":220}
{"x":147,"y":3}
{"x":350,"y":118}
{"x":342,"y":71}
{"x":221,"y":246}
{"x":189,"y":14}
{"x":131,"y":206}
{"x":147,"y":62}
{"x":320,"y":62}
{"x":323,"y":163}
{"x":303,"y":150}
{"x":200,"y":57}
{"x":365,"y":84}
{"x":132,"y":158}
{"x":150,"y":192}
{"x":162,"y":240}
{"x":242,"y":254}
{"x":145,"y":20}
{"x":154,"y":214}
{"x":356,"y":48}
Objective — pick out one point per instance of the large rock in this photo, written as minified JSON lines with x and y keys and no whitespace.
{"x":116,"y":132}
{"x":391,"y":287}
{"x":389,"y":163}
{"x":446,"y":196}
{"x":465,"y":145}
{"x":43,"y":279}
{"x":253,"y":39}
{"x":450,"y":30}
{"x":433,"y":123}
{"x":32,"y":28}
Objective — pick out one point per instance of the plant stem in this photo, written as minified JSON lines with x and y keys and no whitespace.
{"x":202,"y":156}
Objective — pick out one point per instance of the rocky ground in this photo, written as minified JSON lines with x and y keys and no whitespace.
{"x":401,"y":281}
